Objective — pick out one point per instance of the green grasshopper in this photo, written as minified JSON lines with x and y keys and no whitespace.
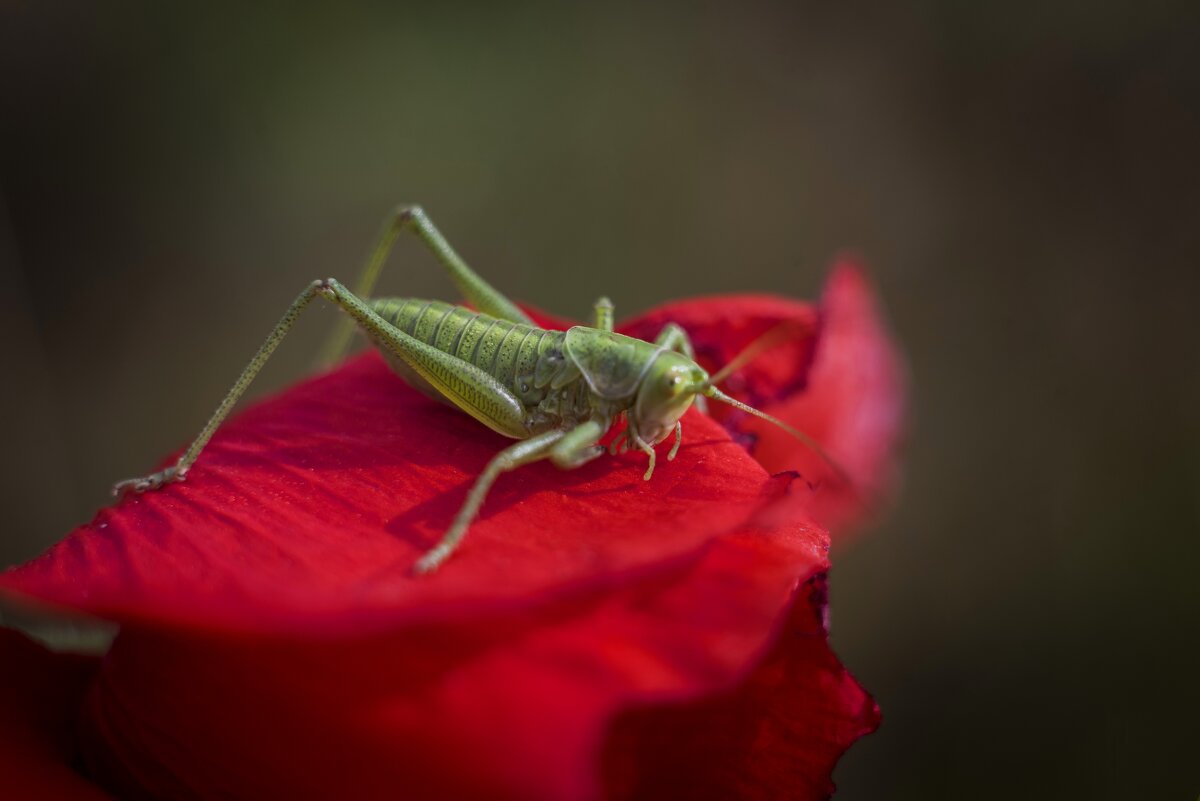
{"x":557,"y":392}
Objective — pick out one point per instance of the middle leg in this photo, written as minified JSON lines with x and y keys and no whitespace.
{"x":602,"y":313}
{"x":567,"y":449}
{"x":512,"y":457}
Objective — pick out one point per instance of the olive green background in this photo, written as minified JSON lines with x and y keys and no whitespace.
{"x":1022,"y":178}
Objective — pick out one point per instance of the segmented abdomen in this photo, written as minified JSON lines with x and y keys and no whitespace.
{"x":525,"y":359}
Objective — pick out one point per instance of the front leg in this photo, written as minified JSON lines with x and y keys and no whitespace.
{"x":673,"y":337}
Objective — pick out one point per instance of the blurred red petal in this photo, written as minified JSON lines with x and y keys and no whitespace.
{"x":854,"y":405}
{"x":721,"y":327}
{"x":839,"y":379}
{"x":778,"y":734}
{"x":40,"y":693}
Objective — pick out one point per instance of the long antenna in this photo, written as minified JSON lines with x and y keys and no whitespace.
{"x":716,"y":394}
{"x":776,"y":335}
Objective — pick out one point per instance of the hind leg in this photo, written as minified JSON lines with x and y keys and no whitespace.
{"x":478,"y":292}
{"x":464,"y":385}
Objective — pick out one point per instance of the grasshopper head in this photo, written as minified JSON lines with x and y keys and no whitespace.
{"x":673,"y":381}
{"x":667,"y":390}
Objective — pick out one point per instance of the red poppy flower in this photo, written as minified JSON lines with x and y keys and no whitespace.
{"x":597,"y":636}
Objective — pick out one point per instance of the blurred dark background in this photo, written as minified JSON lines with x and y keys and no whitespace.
{"x":1023,"y":179}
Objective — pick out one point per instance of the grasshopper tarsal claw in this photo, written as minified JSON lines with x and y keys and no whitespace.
{"x":431,"y":560}
{"x":151,"y":482}
{"x":648,"y":449}
{"x":678,"y":441}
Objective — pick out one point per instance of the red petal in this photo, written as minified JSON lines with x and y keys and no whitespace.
{"x":777,"y":735}
{"x":309,"y":510}
{"x":575,"y":596}
{"x":840,"y":379}
{"x":40,"y":693}
{"x":513,"y":705}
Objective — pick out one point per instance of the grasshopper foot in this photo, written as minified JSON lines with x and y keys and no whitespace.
{"x":650,"y":467}
{"x":678,"y":441}
{"x":432,"y":560}
{"x":151,"y":482}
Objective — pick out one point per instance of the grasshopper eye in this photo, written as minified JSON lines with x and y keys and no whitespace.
{"x":675,"y":381}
